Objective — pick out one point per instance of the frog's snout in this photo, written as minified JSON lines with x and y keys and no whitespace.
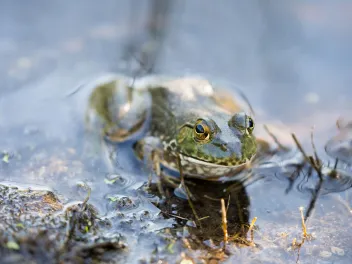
{"x":231,"y":147}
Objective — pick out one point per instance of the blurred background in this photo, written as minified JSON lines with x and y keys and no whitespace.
{"x":292,"y":59}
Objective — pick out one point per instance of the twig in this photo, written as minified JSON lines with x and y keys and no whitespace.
{"x":334,"y":173}
{"x":300,"y":147}
{"x":70,"y":231}
{"x":275,"y":138}
{"x":317,"y":167}
{"x":228,"y":203}
{"x":187,"y":244}
{"x":336,"y":162}
{"x":317,"y":160}
{"x":314,"y":165}
{"x":177,"y":216}
{"x":188,"y":193}
{"x":314,"y":199}
{"x":304,"y":227}
{"x":72,"y":221}
{"x":211,"y":198}
{"x":84,"y":204}
{"x":224,"y":221}
{"x":156,"y":161}
{"x":244,"y":97}
{"x":250,"y":229}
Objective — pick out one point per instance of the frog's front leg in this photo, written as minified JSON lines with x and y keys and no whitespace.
{"x":150,"y":151}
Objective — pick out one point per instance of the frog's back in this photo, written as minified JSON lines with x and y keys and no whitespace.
{"x":177,"y":101}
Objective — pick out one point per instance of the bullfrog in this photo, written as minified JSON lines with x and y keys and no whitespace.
{"x":184,"y":125}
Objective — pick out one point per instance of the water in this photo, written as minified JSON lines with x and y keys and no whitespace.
{"x":292,"y":60}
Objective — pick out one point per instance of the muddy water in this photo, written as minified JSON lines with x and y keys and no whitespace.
{"x":291,"y":60}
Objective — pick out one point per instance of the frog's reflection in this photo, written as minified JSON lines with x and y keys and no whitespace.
{"x":206,"y":203}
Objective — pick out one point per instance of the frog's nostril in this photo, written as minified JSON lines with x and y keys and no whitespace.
{"x":224,"y":147}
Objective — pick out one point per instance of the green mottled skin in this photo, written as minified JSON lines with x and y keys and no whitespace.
{"x":169,"y":114}
{"x":171,"y":123}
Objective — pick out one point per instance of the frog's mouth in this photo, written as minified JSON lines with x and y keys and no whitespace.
{"x":232,"y":164}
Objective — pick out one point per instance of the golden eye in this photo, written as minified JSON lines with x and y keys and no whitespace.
{"x":201,"y":131}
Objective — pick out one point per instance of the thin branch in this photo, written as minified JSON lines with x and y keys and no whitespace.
{"x":224,"y":222}
{"x":188,"y":193}
{"x":276,"y":140}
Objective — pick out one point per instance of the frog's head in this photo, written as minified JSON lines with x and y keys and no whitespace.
{"x":217,"y":140}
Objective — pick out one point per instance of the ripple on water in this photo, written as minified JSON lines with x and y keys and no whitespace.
{"x":303,"y":178}
{"x":340,"y":146}
{"x":118,"y":181}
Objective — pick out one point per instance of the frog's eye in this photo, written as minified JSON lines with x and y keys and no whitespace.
{"x":242,"y":122}
{"x":201,"y":131}
{"x":249,"y":124}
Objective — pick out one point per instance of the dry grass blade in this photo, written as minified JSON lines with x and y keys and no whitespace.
{"x":299,"y":146}
{"x":186,"y":243}
{"x":276,"y":140}
{"x":176,"y":216}
{"x":315,"y":163}
{"x":304,"y":227}
{"x":228,"y":203}
{"x":305,"y":235}
{"x":73,"y":219}
{"x":84,"y":204}
{"x":317,"y":160}
{"x":204,"y":217}
{"x":250,"y":229}
{"x":156,"y":166}
{"x":224,"y":221}
{"x":244,"y":97}
{"x":333,"y":173}
{"x":311,"y":161}
{"x":188,"y":193}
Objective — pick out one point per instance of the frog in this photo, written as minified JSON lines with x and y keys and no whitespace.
{"x":183,"y":126}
